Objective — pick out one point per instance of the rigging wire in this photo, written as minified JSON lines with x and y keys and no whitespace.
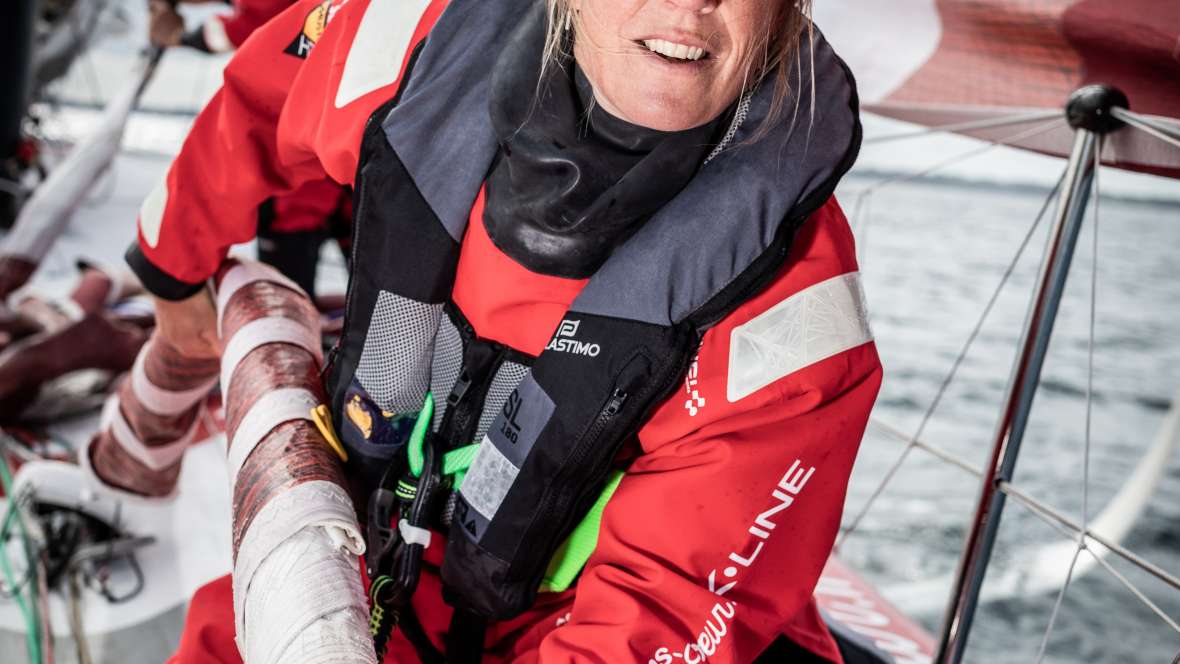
{"x":1146,"y":126}
{"x":1081,"y":539}
{"x":863,"y":197}
{"x":968,"y":125}
{"x":954,"y":369}
{"x":1061,"y":522}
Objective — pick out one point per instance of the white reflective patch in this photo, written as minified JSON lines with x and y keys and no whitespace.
{"x":376,"y":55}
{"x":488,"y":479}
{"x":151,"y":213}
{"x":811,"y":325}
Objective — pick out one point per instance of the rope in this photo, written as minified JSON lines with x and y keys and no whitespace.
{"x":946,"y":382}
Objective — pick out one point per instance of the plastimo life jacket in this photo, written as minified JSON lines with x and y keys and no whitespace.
{"x":548,"y":427}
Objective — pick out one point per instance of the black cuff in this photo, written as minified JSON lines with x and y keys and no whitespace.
{"x":195,"y":38}
{"x":156,"y":281}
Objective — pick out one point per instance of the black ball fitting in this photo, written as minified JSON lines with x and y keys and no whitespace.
{"x":1089,"y":108}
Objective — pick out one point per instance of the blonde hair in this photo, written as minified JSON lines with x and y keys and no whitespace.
{"x":777,"y":49}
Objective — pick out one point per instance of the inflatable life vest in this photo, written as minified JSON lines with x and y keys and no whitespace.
{"x":548,"y":427}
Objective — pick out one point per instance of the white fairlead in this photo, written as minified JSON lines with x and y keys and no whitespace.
{"x":166,"y":403}
{"x":244,"y":274}
{"x":271,"y":410}
{"x":317,"y":503}
{"x":413,"y":534}
{"x":269,"y":330}
{"x":156,"y":457}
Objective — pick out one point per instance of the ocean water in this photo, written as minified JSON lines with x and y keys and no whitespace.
{"x":931,"y":254}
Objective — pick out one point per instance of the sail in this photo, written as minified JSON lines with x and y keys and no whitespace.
{"x":953,"y":62}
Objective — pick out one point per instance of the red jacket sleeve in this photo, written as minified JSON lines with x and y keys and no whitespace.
{"x":248,"y":16}
{"x":717,"y":534}
{"x":278,"y":122}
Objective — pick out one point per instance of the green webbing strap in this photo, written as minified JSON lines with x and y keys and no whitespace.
{"x":571,"y":557}
{"x":418,"y":436}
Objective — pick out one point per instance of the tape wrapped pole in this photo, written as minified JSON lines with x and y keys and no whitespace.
{"x":297,"y":590}
{"x":151,"y":419}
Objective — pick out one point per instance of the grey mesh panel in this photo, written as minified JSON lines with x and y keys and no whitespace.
{"x":395,"y":363}
{"x":448,"y":361}
{"x":508,"y":376}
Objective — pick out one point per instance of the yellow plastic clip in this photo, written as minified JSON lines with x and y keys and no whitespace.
{"x":323,"y":421}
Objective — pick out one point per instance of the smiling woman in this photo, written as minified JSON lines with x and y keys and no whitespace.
{"x":677,"y":64}
{"x":604,"y":323}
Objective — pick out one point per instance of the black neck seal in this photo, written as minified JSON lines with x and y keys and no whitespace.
{"x":571,"y":181}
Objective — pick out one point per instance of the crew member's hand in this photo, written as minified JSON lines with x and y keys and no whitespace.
{"x":165,"y":26}
{"x":189,"y":325}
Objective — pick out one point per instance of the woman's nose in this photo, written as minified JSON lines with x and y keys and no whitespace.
{"x":698,"y":6}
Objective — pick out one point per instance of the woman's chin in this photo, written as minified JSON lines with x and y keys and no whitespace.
{"x":667,"y":110}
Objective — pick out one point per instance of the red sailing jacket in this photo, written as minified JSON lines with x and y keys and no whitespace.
{"x":715,"y":538}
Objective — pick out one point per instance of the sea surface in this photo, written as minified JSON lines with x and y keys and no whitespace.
{"x":932,"y":254}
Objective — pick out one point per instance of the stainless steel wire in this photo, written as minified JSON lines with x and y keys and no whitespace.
{"x":952,"y":372}
{"x":1095,"y":198}
{"x":969,"y":125}
{"x":1136,"y":121}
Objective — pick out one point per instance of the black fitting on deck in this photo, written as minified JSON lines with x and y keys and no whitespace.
{"x":1089,"y":108}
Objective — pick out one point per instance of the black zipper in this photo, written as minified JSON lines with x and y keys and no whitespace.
{"x":610,"y":409}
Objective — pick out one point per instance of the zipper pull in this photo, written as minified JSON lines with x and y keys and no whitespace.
{"x":617,"y":398}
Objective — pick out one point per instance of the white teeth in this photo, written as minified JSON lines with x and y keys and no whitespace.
{"x":677,"y":51}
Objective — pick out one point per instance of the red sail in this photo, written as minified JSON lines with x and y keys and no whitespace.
{"x":953,"y":61}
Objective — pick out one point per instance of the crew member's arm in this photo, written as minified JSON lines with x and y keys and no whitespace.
{"x":227,"y":166}
{"x":276,"y":123}
{"x":226,"y":32}
{"x":716,"y":536}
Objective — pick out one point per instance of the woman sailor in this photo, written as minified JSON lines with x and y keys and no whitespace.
{"x":606,"y":364}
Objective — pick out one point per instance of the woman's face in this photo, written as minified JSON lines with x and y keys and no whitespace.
{"x":668,"y":64}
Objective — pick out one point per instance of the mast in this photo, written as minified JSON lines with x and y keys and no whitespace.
{"x":1089,"y":114}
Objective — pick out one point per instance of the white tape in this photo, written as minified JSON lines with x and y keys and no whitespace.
{"x":272,"y":329}
{"x":167,"y":403}
{"x":244,"y":274}
{"x":316,"y":503}
{"x":306,"y":605}
{"x":156,"y":457}
{"x":271,"y":410}
{"x":413,"y":534}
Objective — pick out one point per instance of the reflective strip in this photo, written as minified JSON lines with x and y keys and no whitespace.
{"x":269,"y":330}
{"x":488,"y":479}
{"x":379,"y":47}
{"x":165,"y":403}
{"x":413,"y":534}
{"x":151,"y":213}
{"x":156,"y":457}
{"x":812,"y":325}
{"x":271,"y":410}
{"x":244,"y":274}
